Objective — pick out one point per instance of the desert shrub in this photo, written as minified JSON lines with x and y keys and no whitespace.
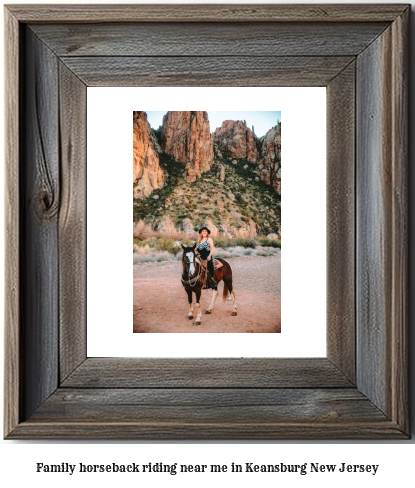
{"x":144,"y":250}
{"x":270,"y":242}
{"x":269,"y":251}
{"x":241,"y":241}
{"x":164,"y":244}
{"x":188,"y":242}
{"x":239,"y":251}
{"x":176,"y":249}
{"x":146,"y":242}
{"x":222,"y":242}
{"x":222,"y":253}
{"x":142,"y":231}
{"x":153,"y":256}
{"x":263,"y":252}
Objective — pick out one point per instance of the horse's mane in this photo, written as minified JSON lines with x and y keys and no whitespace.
{"x":184,"y":262}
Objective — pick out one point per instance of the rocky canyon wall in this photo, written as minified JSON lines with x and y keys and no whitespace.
{"x":269,"y":166}
{"x":236,"y":139}
{"x":147,"y":174}
{"x":186,"y":137}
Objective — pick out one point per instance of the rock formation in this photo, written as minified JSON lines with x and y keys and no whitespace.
{"x":165,"y":226}
{"x":186,"y":137}
{"x":222,"y":172}
{"x":187,"y":227}
{"x":246,"y":230}
{"x":228,"y":200}
{"x":236,"y":139}
{"x":147,"y":174}
{"x":269,"y":166}
{"x":214,"y":231}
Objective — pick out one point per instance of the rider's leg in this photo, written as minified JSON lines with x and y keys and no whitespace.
{"x":211,"y":273}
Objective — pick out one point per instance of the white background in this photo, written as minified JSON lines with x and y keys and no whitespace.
{"x":109,"y":215}
{"x":17,"y":459}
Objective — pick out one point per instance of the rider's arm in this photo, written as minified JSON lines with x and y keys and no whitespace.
{"x":212,"y":247}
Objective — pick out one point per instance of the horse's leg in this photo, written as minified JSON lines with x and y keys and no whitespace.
{"x":228,"y":281}
{"x":212,"y":303}
{"x":218,"y":276}
{"x":198,"y":320}
{"x":189,"y":297}
{"x":234,"y":311}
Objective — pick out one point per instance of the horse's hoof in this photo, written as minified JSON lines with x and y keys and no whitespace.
{"x":190,"y":317}
{"x":234,"y":313}
{"x":197,"y":322}
{"x":207,"y":312}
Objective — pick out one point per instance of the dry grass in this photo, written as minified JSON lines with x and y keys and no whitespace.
{"x":239,"y":251}
{"x":151,"y":246}
{"x":142,"y":231}
{"x":154,"y":256}
{"x":176,"y":236}
{"x":143,"y":250}
{"x":150,"y":254}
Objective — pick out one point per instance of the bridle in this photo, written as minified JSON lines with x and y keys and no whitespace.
{"x":192,"y":282}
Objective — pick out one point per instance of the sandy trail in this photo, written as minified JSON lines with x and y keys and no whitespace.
{"x":160,"y":301}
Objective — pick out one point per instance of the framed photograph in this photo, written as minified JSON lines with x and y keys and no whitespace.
{"x":232,"y":196}
{"x":55,"y":386}
{"x":207,"y":204}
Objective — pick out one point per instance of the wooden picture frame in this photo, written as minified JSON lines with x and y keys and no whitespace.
{"x":360,"y":53}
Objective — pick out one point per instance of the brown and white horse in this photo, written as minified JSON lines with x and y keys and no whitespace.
{"x":193,"y":278}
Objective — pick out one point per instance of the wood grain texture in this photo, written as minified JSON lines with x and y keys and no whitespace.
{"x":382,"y":224}
{"x":400,"y":263}
{"x":341,"y":237}
{"x":12,"y":383}
{"x":61,"y":395}
{"x":206,"y":373}
{"x":40,"y":205}
{"x":187,"y":430}
{"x":207,"y":39}
{"x":206,"y":71}
{"x":373,"y":224}
{"x":205,"y":13}
{"x":72,"y":222}
{"x":209,"y":405}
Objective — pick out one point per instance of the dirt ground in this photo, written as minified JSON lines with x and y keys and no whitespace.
{"x":160,"y":301}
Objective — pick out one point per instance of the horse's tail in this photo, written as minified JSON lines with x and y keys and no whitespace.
{"x":225,"y":292}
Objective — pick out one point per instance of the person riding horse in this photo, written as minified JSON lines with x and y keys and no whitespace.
{"x":193,"y":278}
{"x":205,"y":249}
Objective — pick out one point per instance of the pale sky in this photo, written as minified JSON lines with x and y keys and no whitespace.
{"x":262,"y":121}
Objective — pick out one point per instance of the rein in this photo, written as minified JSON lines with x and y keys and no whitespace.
{"x":192,"y":282}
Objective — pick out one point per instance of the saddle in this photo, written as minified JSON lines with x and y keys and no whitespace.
{"x":216,"y":264}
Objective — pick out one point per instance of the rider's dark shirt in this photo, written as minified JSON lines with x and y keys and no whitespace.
{"x":203,"y":249}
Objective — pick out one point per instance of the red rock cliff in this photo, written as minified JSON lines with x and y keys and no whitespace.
{"x":147,"y":174}
{"x":186,"y":137}
{"x":269,"y":166}
{"x":236,"y":139}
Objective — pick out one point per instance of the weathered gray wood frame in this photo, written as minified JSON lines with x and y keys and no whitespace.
{"x":359,"y":52}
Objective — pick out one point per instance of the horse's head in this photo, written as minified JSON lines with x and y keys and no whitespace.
{"x":189,"y":258}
